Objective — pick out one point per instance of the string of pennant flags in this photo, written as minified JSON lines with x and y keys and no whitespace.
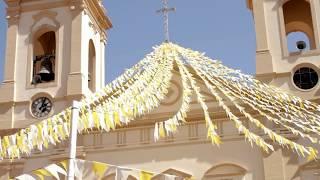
{"x":93,"y":170}
{"x":142,"y":88}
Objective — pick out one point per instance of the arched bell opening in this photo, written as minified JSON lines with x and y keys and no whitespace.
{"x":44,"y":56}
{"x":298,"y":41}
{"x":299,"y":28}
{"x":92,"y":67}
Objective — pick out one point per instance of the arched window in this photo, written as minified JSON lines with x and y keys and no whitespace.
{"x":131,"y":178}
{"x":44,"y":51}
{"x":225,"y":172}
{"x":110,"y":177}
{"x":113,"y":177}
{"x":173,"y":172}
{"x":92,"y":67}
{"x":299,"y":25}
{"x":310,"y":171}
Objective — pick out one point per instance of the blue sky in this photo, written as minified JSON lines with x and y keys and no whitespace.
{"x":223,"y":29}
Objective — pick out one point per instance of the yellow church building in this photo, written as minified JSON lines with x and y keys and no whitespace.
{"x":55,"y":54}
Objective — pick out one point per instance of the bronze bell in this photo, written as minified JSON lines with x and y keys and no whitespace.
{"x":46,"y":73}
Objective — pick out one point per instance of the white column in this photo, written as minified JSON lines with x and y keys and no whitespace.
{"x":73,"y":139}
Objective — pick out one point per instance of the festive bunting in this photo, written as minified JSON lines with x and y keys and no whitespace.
{"x":142,"y":88}
{"x":91,"y":170}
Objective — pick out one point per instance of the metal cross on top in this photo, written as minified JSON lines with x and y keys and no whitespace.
{"x":165,"y":11}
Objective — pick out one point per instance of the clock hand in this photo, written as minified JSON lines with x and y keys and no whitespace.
{"x":44,"y":107}
{"x":41,"y":105}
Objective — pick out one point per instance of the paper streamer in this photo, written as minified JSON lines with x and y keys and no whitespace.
{"x":140,"y":90}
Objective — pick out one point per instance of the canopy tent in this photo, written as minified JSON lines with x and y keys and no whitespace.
{"x":142,"y":88}
{"x":93,"y":170}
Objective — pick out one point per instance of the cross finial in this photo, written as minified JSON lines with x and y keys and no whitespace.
{"x":165,"y":11}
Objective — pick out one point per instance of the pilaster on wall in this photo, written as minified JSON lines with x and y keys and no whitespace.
{"x":76,"y":76}
{"x":263,"y":57}
{"x":273,"y":166}
{"x":264,"y":64}
{"x":7,"y":88}
{"x":280,"y":165}
{"x":11,"y":168}
{"x":316,"y":21}
{"x":4,"y":174}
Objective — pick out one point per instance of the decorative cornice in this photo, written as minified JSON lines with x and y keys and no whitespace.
{"x":94,"y":8}
{"x":273,"y":75}
{"x":13,"y":11}
{"x":98,"y":16}
{"x":59,"y":153}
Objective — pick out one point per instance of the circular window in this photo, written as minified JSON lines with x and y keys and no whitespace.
{"x":305,"y":78}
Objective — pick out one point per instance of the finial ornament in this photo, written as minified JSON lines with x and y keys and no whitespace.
{"x":165,"y":11}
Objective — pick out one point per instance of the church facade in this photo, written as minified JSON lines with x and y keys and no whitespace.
{"x":55,"y":54}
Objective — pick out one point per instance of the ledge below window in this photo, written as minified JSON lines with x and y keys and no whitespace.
{"x":42,"y":85}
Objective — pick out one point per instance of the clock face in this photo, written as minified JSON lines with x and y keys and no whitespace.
{"x":41,"y":107}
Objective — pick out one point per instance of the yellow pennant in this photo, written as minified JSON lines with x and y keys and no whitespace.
{"x":95,"y":119}
{"x":99,"y":169}
{"x":5,"y":143}
{"x":145,"y":175}
{"x":108,"y":121}
{"x":162,"y":132}
{"x":117,"y":118}
{"x":313,"y":154}
{"x":19,"y":142}
{"x":64,"y":164}
{"x":61,"y":132}
{"x":41,"y":173}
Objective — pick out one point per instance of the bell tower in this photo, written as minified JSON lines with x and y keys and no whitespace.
{"x":288,"y":49}
{"x":55,"y":54}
